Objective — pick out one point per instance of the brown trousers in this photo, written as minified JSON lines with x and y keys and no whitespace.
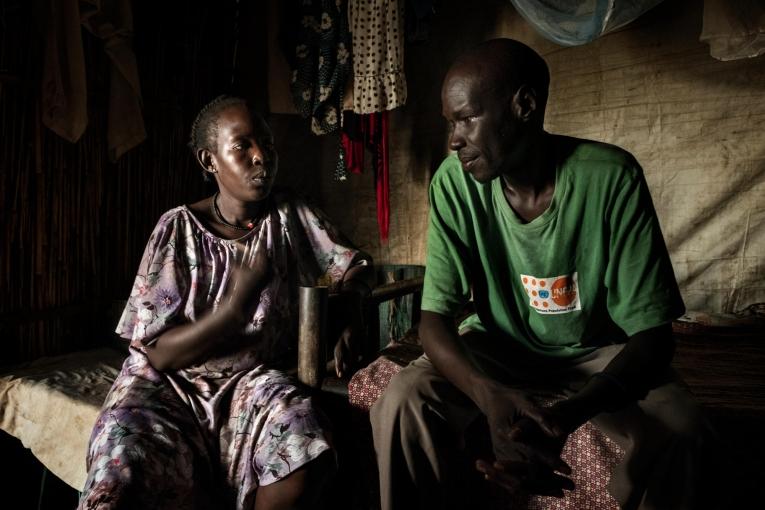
{"x":420,"y":420}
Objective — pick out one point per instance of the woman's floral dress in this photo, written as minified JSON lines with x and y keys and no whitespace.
{"x":209,"y":435}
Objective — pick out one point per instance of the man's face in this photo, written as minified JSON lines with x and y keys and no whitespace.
{"x":483,"y":130}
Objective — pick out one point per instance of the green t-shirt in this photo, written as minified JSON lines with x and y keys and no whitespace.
{"x":592,"y":270}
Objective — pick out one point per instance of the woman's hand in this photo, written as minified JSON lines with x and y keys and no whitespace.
{"x":191,"y":343}
{"x":347,"y":348}
{"x":249,"y":276}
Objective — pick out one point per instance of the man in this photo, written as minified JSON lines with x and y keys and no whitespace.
{"x":556,"y":241}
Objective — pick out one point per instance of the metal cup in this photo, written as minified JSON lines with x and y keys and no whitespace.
{"x":312,"y":302}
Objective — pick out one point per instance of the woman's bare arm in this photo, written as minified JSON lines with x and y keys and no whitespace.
{"x":189,"y":344}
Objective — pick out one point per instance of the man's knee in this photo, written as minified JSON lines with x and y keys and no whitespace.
{"x":401,"y":397}
{"x":682,"y":415}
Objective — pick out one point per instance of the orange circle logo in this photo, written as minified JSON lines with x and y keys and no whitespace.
{"x":563,"y":291}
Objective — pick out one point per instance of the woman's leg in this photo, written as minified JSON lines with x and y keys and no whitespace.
{"x":139,"y":460}
{"x":303,"y":488}
{"x":275,"y":444}
{"x":145,"y":451}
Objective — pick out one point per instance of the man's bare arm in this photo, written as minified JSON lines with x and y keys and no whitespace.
{"x":627,"y":378}
{"x":503,"y":406}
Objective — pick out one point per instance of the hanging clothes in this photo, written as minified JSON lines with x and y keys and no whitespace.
{"x":64,"y":92}
{"x":351,"y":146}
{"x":361,"y":132}
{"x":734,"y":30}
{"x":113,"y":23}
{"x":378,"y":85}
{"x":382,"y":173}
{"x":64,"y":88}
{"x":377,"y":28}
{"x":315,"y":40}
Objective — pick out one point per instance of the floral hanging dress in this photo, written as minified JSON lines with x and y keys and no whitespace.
{"x":209,"y":435}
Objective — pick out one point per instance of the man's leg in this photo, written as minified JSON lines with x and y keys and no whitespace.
{"x":670,"y":447}
{"x":417,"y":426}
{"x":669,"y":450}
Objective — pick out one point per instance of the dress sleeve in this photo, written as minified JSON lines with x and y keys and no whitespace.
{"x":160,"y":290}
{"x":447,"y":276}
{"x":332,"y":251}
{"x":642,"y":290}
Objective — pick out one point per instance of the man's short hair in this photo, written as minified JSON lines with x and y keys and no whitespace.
{"x":512,"y":64}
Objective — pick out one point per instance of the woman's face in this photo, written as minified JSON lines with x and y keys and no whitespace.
{"x":245,"y":162}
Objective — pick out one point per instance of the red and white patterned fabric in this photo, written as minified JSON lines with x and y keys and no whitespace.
{"x":591,"y":455}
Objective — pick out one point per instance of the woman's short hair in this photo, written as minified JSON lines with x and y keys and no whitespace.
{"x":204,"y":129}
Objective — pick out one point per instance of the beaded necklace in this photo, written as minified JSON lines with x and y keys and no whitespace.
{"x":221,"y":219}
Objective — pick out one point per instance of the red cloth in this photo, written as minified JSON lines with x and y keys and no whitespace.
{"x":370,"y":131}
{"x":379,"y":136}
{"x":352,"y":140}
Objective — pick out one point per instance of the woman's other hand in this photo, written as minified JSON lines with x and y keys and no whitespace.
{"x":348,"y":346}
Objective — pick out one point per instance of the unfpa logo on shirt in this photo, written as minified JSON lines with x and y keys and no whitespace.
{"x":557,"y":294}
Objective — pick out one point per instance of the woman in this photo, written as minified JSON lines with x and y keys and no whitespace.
{"x":201,"y":415}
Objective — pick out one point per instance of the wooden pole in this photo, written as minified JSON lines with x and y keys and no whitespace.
{"x":313,"y":318}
